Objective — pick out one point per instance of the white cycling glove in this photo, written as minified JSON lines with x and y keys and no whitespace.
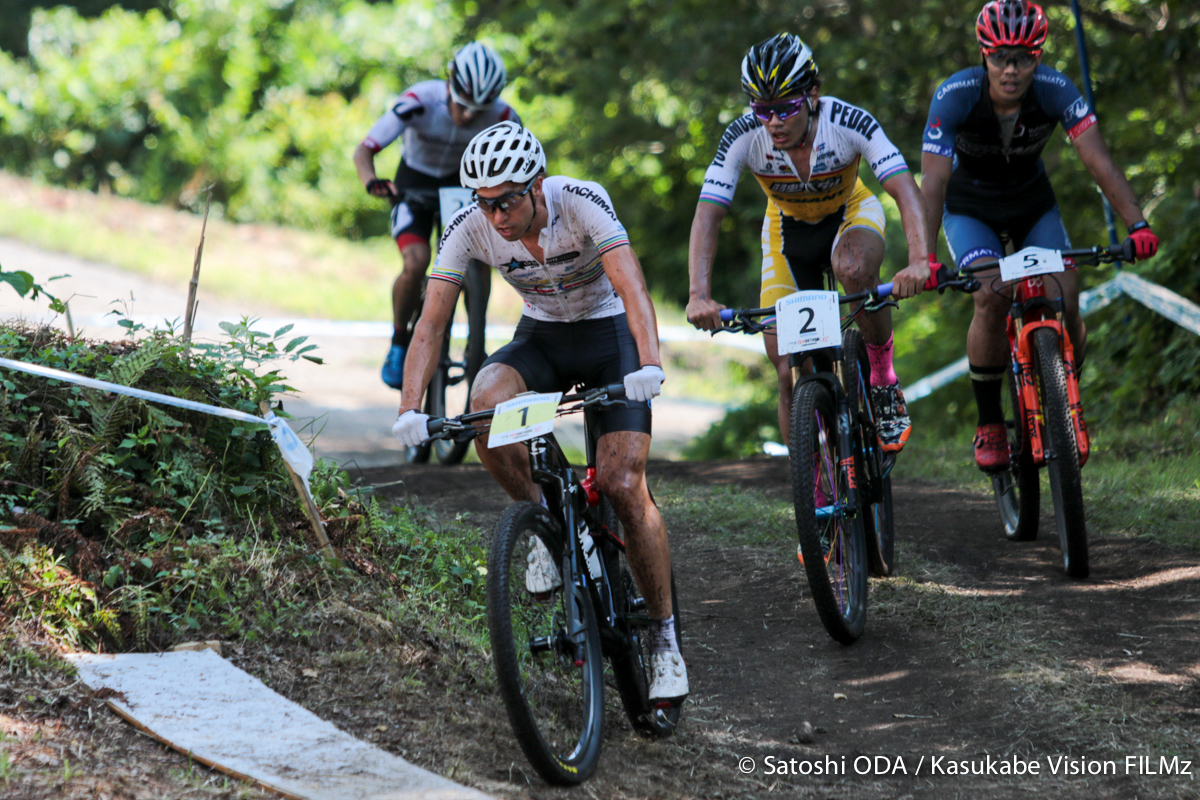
{"x":645,"y":383}
{"x":411,"y":428}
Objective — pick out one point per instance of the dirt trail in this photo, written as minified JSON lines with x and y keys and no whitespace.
{"x":1123,"y":642}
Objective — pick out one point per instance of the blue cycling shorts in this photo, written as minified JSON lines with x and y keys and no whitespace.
{"x":971,"y":238}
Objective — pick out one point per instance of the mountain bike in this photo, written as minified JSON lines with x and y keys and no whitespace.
{"x":462,"y":351}
{"x":1044,"y":409}
{"x":838,"y":467}
{"x":548,"y":651}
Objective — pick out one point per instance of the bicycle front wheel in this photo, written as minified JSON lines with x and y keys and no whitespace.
{"x":631,"y":652}
{"x":546,"y":651}
{"x":830,"y":532}
{"x":1062,"y":456}
{"x":1017,"y":488}
{"x":879,"y":531}
{"x":462,"y":356}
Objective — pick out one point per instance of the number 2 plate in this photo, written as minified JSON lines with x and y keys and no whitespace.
{"x":1030,"y":261}
{"x":523,"y":417}
{"x":807,"y":321}
{"x":451,"y":199}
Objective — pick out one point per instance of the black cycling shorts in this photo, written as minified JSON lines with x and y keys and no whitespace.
{"x":555,"y":356}
{"x":415,"y":215}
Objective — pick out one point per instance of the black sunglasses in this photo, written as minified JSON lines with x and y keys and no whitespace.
{"x":503,"y":202}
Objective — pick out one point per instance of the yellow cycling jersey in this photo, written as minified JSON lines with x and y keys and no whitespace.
{"x":844,"y":134}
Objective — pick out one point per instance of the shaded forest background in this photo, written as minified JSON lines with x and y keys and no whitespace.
{"x":264,"y":100}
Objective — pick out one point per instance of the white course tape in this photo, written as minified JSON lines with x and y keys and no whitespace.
{"x":291,"y":447}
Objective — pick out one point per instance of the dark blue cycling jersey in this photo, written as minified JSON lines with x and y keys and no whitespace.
{"x":997,"y":174}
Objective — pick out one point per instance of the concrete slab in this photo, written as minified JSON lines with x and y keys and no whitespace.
{"x":202,"y":705}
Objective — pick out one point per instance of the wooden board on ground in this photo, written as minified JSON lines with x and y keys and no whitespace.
{"x":200,"y":704}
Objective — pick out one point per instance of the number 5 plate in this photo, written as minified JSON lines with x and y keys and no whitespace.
{"x":807,"y":321}
{"x":1030,"y":261}
{"x":523,"y":417}
{"x":451,"y":200}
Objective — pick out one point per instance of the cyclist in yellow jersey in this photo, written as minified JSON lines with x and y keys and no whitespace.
{"x":805,"y":151}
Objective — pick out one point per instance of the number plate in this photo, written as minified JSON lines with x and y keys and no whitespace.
{"x":1029,"y":262}
{"x":807,"y":321}
{"x":523,"y":417}
{"x":451,"y":200}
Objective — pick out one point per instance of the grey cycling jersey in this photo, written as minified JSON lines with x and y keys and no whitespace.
{"x":570,"y":285}
{"x":433,"y":144}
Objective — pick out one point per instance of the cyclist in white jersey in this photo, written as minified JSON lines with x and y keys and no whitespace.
{"x":588,"y":320}
{"x":437,"y":119}
{"x":805,"y":152}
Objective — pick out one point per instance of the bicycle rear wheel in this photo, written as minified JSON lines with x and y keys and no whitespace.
{"x":551,"y":677}
{"x":830,"y":533}
{"x":462,"y":356}
{"x":1017,"y":489}
{"x":630,"y":656}
{"x":875,"y":484}
{"x":1062,"y":456}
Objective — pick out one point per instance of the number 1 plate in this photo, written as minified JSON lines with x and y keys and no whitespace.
{"x":1029,"y":262}
{"x":808,"y":321}
{"x":523,"y":417}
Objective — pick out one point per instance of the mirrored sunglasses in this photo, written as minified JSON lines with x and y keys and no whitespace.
{"x":503,"y":202}
{"x":782,"y":109}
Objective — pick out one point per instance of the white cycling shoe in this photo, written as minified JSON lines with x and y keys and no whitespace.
{"x":541,"y":573}
{"x":669,"y":683}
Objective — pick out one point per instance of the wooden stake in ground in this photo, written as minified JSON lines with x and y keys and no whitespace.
{"x":310,"y":508}
{"x":189,"y":316}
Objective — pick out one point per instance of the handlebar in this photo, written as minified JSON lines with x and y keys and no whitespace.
{"x":1088,"y":255}
{"x":461,"y":428}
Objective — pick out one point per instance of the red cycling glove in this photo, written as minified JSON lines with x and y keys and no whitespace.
{"x":932,"y":281}
{"x":1145,"y":243}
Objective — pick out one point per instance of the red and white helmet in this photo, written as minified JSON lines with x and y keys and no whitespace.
{"x":1011,"y":23}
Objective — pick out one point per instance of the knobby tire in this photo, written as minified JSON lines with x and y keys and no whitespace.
{"x":555,"y":707}
{"x":467,"y":358}
{"x":879,"y":530}
{"x":1062,"y":464}
{"x":833,"y":546}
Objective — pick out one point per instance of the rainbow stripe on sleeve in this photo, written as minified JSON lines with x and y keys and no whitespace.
{"x":612,"y":242}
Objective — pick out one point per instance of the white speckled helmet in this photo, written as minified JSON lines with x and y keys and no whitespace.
{"x":504,"y":152}
{"x":477,"y":76}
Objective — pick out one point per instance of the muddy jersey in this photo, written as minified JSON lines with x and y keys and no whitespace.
{"x":571,"y":284}
{"x":433,"y":144}
{"x":997,"y":169}
{"x":844,"y":134}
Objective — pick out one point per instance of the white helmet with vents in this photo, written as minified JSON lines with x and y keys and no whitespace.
{"x":477,"y":76}
{"x":504,"y":152}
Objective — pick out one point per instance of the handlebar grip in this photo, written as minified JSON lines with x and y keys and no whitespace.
{"x":1128,"y":253}
{"x":726,"y":315}
{"x":435,"y":426}
{"x":936,"y":278}
{"x":883,"y":290}
{"x":616,"y":391}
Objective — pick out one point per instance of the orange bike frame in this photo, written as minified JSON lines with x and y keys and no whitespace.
{"x":1020,"y":332}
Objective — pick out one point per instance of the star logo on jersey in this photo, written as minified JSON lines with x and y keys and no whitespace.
{"x":512,"y":265}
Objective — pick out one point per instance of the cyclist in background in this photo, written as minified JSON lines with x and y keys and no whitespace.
{"x":805,"y":150}
{"x":437,"y":120}
{"x":983,"y":177}
{"x":588,"y":320}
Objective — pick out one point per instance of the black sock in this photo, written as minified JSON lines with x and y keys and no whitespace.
{"x":400,"y":337}
{"x":988,"y":383}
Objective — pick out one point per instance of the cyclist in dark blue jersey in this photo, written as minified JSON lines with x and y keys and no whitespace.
{"x":983,"y":179}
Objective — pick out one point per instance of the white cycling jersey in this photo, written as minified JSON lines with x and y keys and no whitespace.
{"x":844,"y":134}
{"x":433,"y":144}
{"x":571,"y":284}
